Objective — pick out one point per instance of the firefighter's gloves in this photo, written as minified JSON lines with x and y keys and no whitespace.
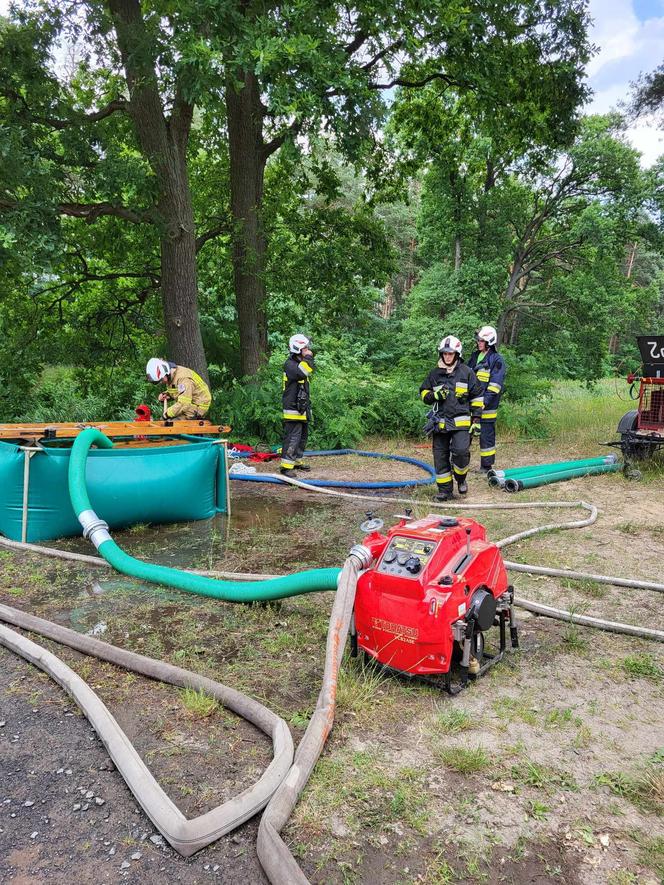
{"x":437,"y":395}
{"x":475,"y":428}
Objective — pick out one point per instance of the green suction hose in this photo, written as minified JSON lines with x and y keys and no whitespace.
{"x":532,"y":480}
{"x":552,"y":467}
{"x":96,"y":530}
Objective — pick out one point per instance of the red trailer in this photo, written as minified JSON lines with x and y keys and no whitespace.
{"x":642,"y":430}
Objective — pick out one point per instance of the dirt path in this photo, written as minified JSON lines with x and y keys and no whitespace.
{"x":551,"y":769}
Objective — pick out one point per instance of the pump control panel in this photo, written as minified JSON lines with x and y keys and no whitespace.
{"x":406,"y":557}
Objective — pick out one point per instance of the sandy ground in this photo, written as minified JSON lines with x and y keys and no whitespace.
{"x":550,"y":769}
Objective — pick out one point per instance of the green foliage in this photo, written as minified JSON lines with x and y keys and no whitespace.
{"x":349,"y":401}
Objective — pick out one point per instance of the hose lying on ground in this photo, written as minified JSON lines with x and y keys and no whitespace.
{"x":534,"y":480}
{"x":351,"y":484}
{"x":273,"y":853}
{"x":96,"y":530}
{"x":551,"y":467}
{"x":558,"y":614}
{"x":186,"y":836}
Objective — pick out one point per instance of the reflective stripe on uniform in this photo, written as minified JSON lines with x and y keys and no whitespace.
{"x":462,"y":421}
{"x":460,"y":389}
{"x":423,"y":393}
{"x":461,"y":471}
{"x":287,"y":465}
{"x":489,"y":416}
{"x":305,"y":367}
{"x":477,"y":403}
{"x":442,"y":478}
{"x":292,"y":415}
{"x":494,"y":388}
{"x":486,"y":452}
{"x":483,"y":374}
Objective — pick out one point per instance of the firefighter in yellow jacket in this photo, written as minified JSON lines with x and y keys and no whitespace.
{"x":186,"y":397}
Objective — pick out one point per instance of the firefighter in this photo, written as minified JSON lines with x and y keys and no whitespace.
{"x":455,"y":395}
{"x":188,"y":395}
{"x":490,"y":368}
{"x":296,"y":403}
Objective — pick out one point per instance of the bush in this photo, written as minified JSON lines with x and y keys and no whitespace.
{"x":349,"y":401}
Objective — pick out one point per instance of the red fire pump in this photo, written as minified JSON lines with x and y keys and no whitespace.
{"x":435,"y":587}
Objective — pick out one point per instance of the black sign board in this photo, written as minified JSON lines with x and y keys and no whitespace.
{"x":652,"y":354}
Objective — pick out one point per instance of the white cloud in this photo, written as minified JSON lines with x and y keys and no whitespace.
{"x":627,"y":48}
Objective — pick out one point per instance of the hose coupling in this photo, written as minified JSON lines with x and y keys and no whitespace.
{"x":363,"y":555}
{"x":95,"y":529}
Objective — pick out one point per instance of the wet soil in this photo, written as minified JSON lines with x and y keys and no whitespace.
{"x":556,"y":721}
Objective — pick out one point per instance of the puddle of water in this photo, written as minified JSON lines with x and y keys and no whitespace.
{"x":199,"y":544}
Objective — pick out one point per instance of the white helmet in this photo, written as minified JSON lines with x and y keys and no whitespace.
{"x":297,"y":343}
{"x":450,"y":344}
{"x":156,"y":370}
{"x":488,"y":334}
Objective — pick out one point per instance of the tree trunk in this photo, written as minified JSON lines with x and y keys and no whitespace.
{"x":179,"y":282}
{"x":457,"y":252}
{"x":163,"y":143}
{"x":247,"y":168}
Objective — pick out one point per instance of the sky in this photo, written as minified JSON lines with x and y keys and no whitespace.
{"x":630,"y":37}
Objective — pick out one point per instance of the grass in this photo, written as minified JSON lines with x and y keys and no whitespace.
{"x":538,"y":810}
{"x":452,"y":721}
{"x":198,"y":704}
{"x":362,"y":789}
{"x":516,"y":708}
{"x":542,"y":777}
{"x":572,"y":639}
{"x":643,"y":786}
{"x":465,"y":760}
{"x":587,"y":588}
{"x":643,"y":666}
{"x":651,"y":853}
{"x":359,"y":687}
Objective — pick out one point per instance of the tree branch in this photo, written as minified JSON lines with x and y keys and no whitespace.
{"x":416,"y":84}
{"x":114,"y":106}
{"x":355,"y":43}
{"x":92,"y":211}
{"x":383,"y":52}
{"x":218,"y":230}
{"x":271,"y":146}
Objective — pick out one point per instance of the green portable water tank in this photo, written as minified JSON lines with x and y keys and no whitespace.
{"x":151,"y":484}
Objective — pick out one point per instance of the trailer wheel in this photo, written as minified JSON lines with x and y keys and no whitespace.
{"x":633,"y":447}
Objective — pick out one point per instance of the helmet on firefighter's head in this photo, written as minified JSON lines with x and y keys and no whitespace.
{"x":298,"y":343}
{"x":450,"y":344}
{"x":487,"y":334}
{"x":157,"y":370}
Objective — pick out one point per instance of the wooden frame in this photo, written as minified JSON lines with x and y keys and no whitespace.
{"x":32,"y":432}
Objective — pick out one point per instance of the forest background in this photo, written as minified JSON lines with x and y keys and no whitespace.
{"x":202,"y":179}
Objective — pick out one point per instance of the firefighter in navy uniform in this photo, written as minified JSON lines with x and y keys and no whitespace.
{"x":490,"y":368}
{"x":296,"y":404}
{"x":455,"y":395}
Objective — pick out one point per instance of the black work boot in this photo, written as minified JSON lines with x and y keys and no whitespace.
{"x":444,"y":495}
{"x":462,"y":485}
{"x":302,"y":466}
{"x":286,"y":471}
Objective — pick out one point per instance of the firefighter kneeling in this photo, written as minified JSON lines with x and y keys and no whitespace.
{"x":296,"y":404}
{"x":188,"y":395}
{"x":456,"y":396}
